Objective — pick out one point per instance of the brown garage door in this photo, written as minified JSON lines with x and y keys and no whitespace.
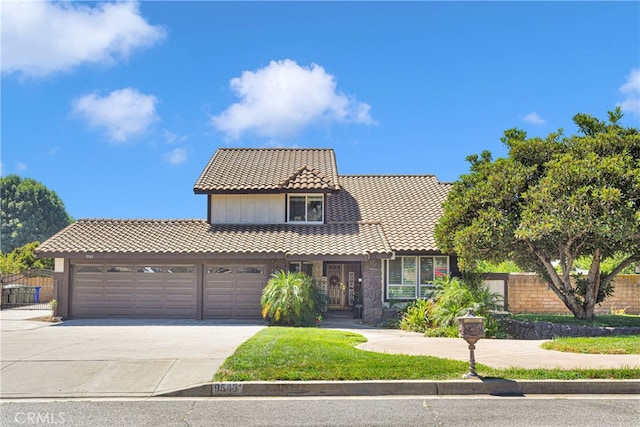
{"x":125,"y":290}
{"x":233,"y":291}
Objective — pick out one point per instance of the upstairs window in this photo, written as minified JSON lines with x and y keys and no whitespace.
{"x":305,"y":208}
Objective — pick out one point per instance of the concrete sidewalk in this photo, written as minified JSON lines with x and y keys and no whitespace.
{"x":491,"y":352}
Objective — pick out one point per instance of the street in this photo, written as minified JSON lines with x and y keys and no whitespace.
{"x":539,"y":410}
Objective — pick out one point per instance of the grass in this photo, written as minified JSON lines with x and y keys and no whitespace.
{"x":607,"y":320}
{"x":304,"y":354}
{"x":621,"y":344}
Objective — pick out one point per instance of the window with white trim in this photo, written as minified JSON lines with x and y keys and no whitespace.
{"x":411,"y":277}
{"x":305,"y":208}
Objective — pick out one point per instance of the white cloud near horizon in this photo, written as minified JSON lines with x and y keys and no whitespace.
{"x":631,"y":91}
{"x":42,"y":37}
{"x":176,"y":156}
{"x":280,"y":99}
{"x":123,"y":113}
{"x":533,"y":118}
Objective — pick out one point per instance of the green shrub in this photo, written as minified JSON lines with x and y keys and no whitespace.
{"x":442,"y":332}
{"x":291,"y":299}
{"x":416,"y":314}
{"x":455,"y":297}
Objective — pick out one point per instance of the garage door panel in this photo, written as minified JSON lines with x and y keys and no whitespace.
{"x":134,"y":291}
{"x":234,"y":291}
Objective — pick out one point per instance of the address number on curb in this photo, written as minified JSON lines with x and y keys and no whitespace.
{"x":227,"y":388}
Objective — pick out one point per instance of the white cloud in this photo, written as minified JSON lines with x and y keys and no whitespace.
{"x":282,"y":98}
{"x":533,"y":118}
{"x":176,"y":156}
{"x":42,"y":37}
{"x":173,"y":138}
{"x":123,"y":113}
{"x":21,"y":167}
{"x":631,"y":91}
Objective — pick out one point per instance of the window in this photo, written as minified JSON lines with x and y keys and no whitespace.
{"x":249,"y":270}
{"x":214,"y":269}
{"x":304,"y":267}
{"x":180,"y":269}
{"x":89,"y":269}
{"x":149,"y":269}
{"x":411,"y":277}
{"x":119,"y":269}
{"x":306,"y":208}
{"x":402,"y":278}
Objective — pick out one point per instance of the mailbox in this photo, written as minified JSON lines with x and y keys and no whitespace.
{"x":471,"y":329}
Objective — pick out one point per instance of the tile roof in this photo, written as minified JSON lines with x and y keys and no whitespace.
{"x":268,"y":170}
{"x":198,"y":237}
{"x":407,"y":206}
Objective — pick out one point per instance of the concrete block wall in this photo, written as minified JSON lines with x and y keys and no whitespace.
{"x":527,"y":293}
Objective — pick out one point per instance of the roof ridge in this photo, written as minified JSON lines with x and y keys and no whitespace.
{"x":141,"y":220}
{"x":408,"y":175}
{"x":273,"y":149}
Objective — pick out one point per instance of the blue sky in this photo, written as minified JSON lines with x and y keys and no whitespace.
{"x":118,"y":106}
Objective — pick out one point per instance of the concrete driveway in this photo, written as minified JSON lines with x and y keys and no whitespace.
{"x":111,"y":357}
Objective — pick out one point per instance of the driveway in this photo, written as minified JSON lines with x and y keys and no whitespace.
{"x":112,"y":357}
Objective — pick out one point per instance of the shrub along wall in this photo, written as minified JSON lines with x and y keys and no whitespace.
{"x":527,"y":293}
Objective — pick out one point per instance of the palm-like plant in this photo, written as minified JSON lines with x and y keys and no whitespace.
{"x":291,"y":299}
{"x":455,"y":297}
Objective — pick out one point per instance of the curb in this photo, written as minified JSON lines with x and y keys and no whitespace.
{"x":495,"y":387}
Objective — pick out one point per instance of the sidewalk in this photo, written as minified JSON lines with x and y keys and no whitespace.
{"x":491,"y":352}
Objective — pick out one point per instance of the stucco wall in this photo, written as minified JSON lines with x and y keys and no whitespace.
{"x":527,"y":293}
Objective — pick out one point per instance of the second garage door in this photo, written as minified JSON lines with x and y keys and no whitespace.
{"x":233,"y":291}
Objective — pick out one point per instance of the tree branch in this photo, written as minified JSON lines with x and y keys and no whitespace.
{"x":620,"y":267}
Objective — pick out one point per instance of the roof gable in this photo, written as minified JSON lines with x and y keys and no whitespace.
{"x":240,"y":170}
{"x":306,"y":178}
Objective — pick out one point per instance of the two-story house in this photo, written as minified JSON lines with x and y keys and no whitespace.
{"x":366,"y":239}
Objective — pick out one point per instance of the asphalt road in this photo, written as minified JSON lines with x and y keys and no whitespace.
{"x":582,"y":411}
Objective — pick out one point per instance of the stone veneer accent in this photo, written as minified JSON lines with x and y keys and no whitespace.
{"x":372,"y":291}
{"x":544,"y":330}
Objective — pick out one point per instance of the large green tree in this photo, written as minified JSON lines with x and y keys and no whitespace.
{"x":30,"y":212}
{"x":550,"y":202}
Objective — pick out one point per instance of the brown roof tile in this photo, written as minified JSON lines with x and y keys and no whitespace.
{"x":198,"y":237}
{"x":306,"y":179}
{"x":407,"y":206}
{"x":262,"y":170}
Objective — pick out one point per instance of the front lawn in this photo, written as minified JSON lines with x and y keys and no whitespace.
{"x":620,"y":344}
{"x":304,"y":354}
